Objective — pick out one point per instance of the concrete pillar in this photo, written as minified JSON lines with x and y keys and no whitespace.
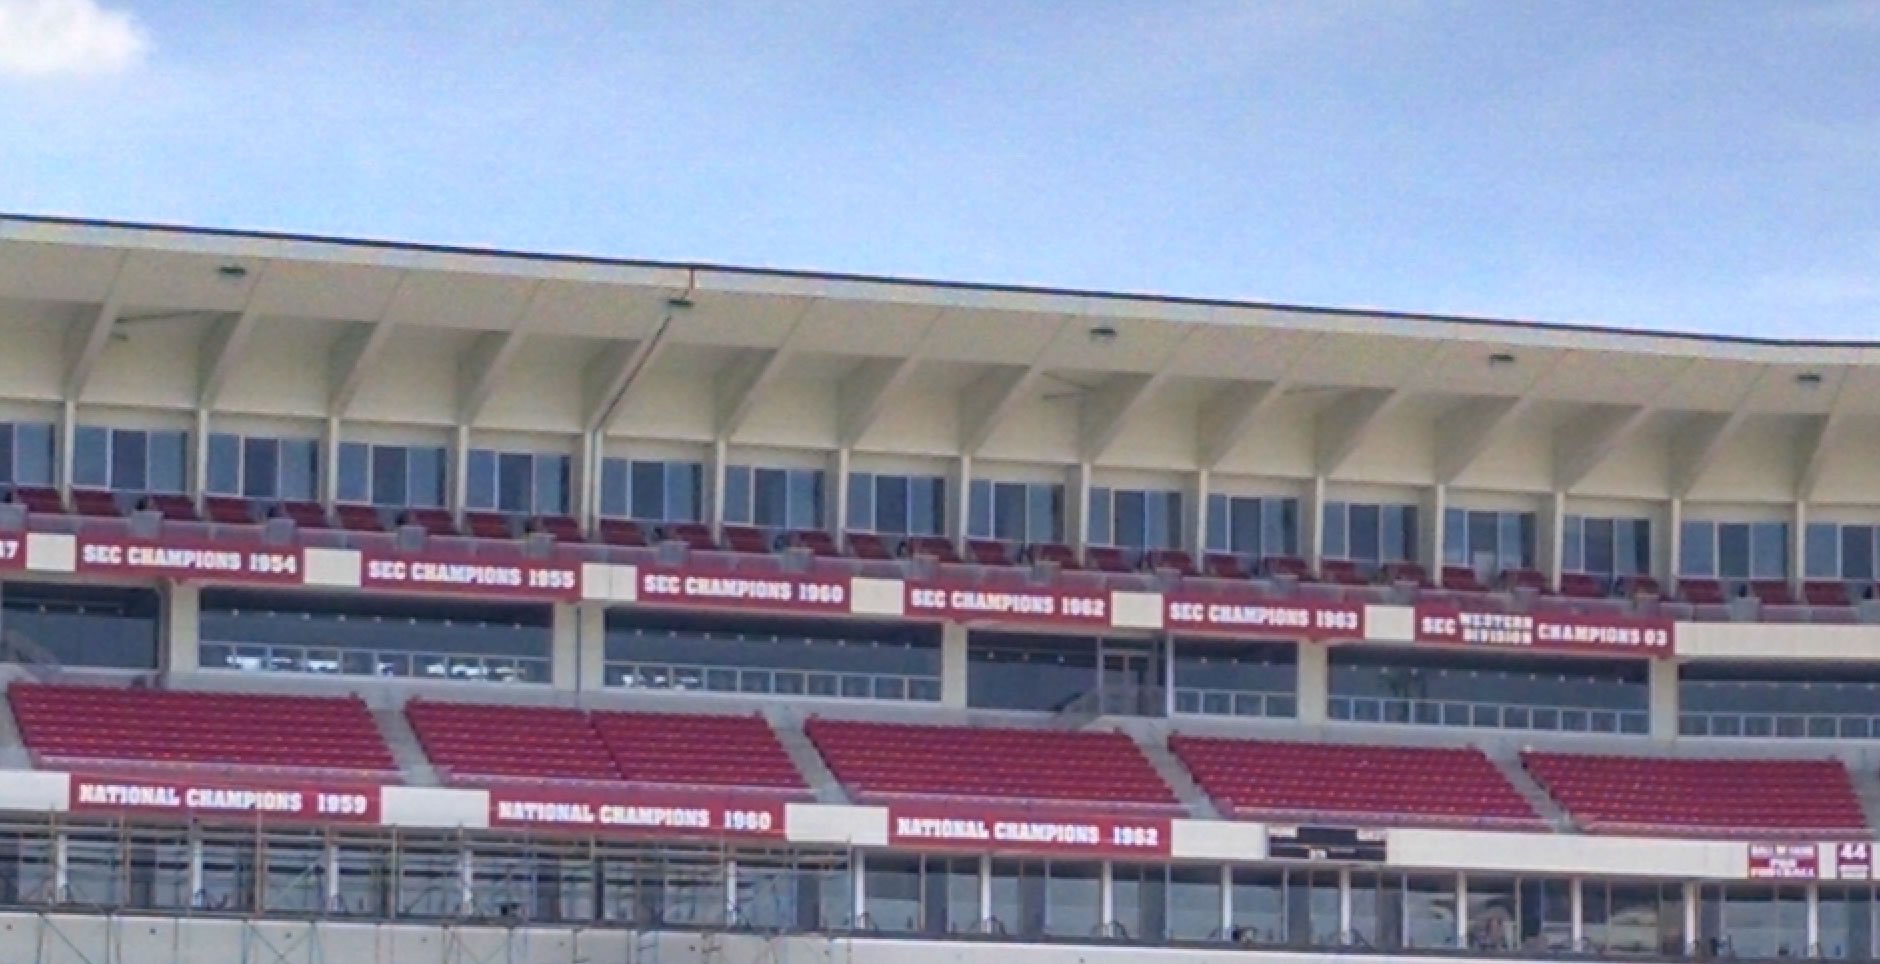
{"x":1344,"y":905}
{"x":1430,"y":523}
{"x":1077,"y":508}
{"x":960,"y":502}
{"x":1798,"y":547}
{"x":1814,"y":920}
{"x":1551,"y":534}
{"x":985,"y":896}
{"x":715,"y":487}
{"x":182,"y":628}
{"x":197,"y":483}
{"x":585,"y":486}
{"x":196,"y":896}
{"x":1691,"y":937}
{"x":836,"y":494}
{"x":1195,"y":515}
{"x":564,"y":649}
{"x":459,"y":478}
{"x":332,"y":878}
{"x":953,"y":665}
{"x":1664,"y":699}
{"x":329,"y":461}
{"x":1107,"y":897}
{"x":466,"y":880}
{"x":858,"y":889}
{"x":1674,"y":547}
{"x":1314,"y":682}
{"x":1576,"y":899}
{"x":1227,"y":900}
{"x":1312,"y":523}
{"x":68,"y":437}
{"x":1462,"y":910}
{"x":61,"y":868}
{"x":588,"y":648}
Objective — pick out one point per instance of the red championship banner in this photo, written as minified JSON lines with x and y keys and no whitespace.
{"x":244,"y":802}
{"x":1061,"y":833}
{"x":169,"y":560}
{"x":12,"y":551}
{"x":1784,"y":861}
{"x":529,"y":578}
{"x":1062,"y":607}
{"x":786,"y":592}
{"x":630,"y":812}
{"x":1562,"y":632}
{"x":1264,"y":617}
{"x":1853,"y":861}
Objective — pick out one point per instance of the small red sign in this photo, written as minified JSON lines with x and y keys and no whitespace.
{"x":638,"y":813}
{"x":1264,"y":617}
{"x":822,"y":594}
{"x":12,"y":552}
{"x":190,"y":561}
{"x":947,"y":827}
{"x":1561,"y":632}
{"x":1853,"y":861}
{"x":539,"y":579}
{"x":1784,"y":861}
{"x":226,"y":801}
{"x":1042,"y":605}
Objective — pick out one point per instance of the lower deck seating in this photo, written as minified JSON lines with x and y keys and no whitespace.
{"x":468,"y":741}
{"x":146,"y":727}
{"x":698,"y":750}
{"x":1352,"y":783}
{"x":1055,"y":766}
{"x":1641,"y":793}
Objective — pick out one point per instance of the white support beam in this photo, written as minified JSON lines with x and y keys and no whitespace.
{"x":482,"y":367}
{"x":741,"y":385}
{"x":1465,"y":432}
{"x":1814,"y":443}
{"x":1700,"y":449}
{"x":222,"y":349}
{"x":864,"y":392}
{"x":1230,"y":414}
{"x":1590,"y":441}
{"x":86,"y":343}
{"x":1105,"y":414}
{"x":989,"y":398}
{"x":356,"y":352}
{"x":1343,"y":425}
{"x":611,"y":376}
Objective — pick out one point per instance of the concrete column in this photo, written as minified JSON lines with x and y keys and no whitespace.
{"x":1576,"y":902}
{"x":1227,"y":901}
{"x":732,"y":910}
{"x":985,"y":895}
{"x":1664,"y":699}
{"x":1077,"y":508}
{"x":182,"y":628}
{"x":1691,"y":937}
{"x":459,"y":478}
{"x":953,"y":665}
{"x":858,"y":890}
{"x":1344,"y":905}
{"x":329,"y":461}
{"x":1430,"y":524}
{"x":1314,"y":682}
{"x":1107,"y":898}
{"x":1195,"y":515}
{"x":1814,"y":919}
{"x":332,"y":878}
{"x":715,"y":487}
{"x":61,"y":867}
{"x":466,"y":879}
{"x":589,"y":648}
{"x":196,"y":896}
{"x":585,"y":486}
{"x":836,"y":494}
{"x":564,"y":649}
{"x":1552,"y":537}
{"x":197,"y":483}
{"x":1674,"y":547}
{"x":1798,"y":547}
{"x":1462,"y":910}
{"x":68,"y":437}
{"x":1312,"y":523}
{"x":960,"y":502}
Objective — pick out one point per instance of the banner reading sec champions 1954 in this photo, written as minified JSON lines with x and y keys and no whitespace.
{"x":230,"y":562}
{"x":1562,"y":632}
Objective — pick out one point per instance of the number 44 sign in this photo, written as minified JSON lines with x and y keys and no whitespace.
{"x":1853,"y":861}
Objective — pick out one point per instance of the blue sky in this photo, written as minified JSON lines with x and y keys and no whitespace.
{"x":1694,"y":166}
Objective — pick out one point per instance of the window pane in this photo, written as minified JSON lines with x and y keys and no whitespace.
{"x":261,"y":467}
{"x":891,"y":503}
{"x":926,"y":505}
{"x":300,"y":469}
{"x":32,"y":454}
{"x":861,"y":502}
{"x":1697,"y":549}
{"x":1509,"y":554}
{"x":1599,"y":547}
{"x":738,"y":494}
{"x":1392,"y":541}
{"x":1769,"y":545}
{"x":979,"y":509}
{"x":1281,"y":529}
{"x":1821,"y":545}
{"x":1333,"y":539}
{"x":1455,"y":537}
{"x":1631,"y":547}
{"x":427,"y":476}
{"x":1484,"y":536}
{"x":1857,"y":553}
{"x":1099,"y":531}
{"x":225,"y":465}
{"x":1131,"y":518}
{"x":1733,"y":550}
{"x":515,"y":481}
{"x":1217,"y":523}
{"x":551,"y":484}
{"x":91,"y":457}
{"x":1572,"y":531}
{"x":355,"y":473}
{"x":614,"y":487}
{"x":1044,"y":514}
{"x":1172,"y":522}
{"x":130,"y":459}
{"x":772,"y":503}
{"x":1407,"y":549}
{"x":1361,"y":533}
{"x":169,"y":458}
{"x":480,"y":480}
{"x":649,"y":491}
{"x":1251,"y":520}
{"x":388,"y":475}
{"x":685,"y":491}
{"x":806,"y":500}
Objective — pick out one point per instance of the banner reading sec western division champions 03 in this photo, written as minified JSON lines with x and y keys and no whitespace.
{"x":1563,"y":632}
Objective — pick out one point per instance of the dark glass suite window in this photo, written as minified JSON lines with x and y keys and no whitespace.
{"x":1519,"y":692}
{"x":1016,"y":671}
{"x":130,"y":460}
{"x":690,"y":652}
{"x":1762,"y":700}
{"x":100,"y":626}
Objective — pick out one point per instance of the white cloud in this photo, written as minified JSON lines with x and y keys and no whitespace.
{"x":43,"y":38}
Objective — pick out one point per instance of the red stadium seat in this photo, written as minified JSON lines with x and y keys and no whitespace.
{"x":173,"y":507}
{"x":697,"y":536}
{"x":621,"y":532}
{"x":1293,"y":566}
{"x":1106,"y":559}
{"x":1702,"y":592}
{"x":95,"y":502}
{"x":1356,"y":784}
{"x":1053,"y":552}
{"x":37,"y":498}
{"x":564,"y":528}
{"x":487,"y":740}
{"x":1222,"y":565}
{"x":939,"y":547}
{"x":1580,"y":585}
{"x":877,"y":760}
{"x":229,"y":510}
{"x":698,"y":750}
{"x":434,"y":522}
{"x":1532,"y":579}
{"x":1462,"y":579}
{"x":818,"y":542}
{"x":1633,"y":794}
{"x":988,"y":552}
{"x":1772,"y":592}
{"x":359,"y":518}
{"x":1342,"y":572}
{"x":144,"y":727}
{"x":312,"y":515}
{"x":1633,"y":587}
{"x":1172,"y":559}
{"x":489,"y":525}
{"x":1411,"y":573}
{"x":867,"y":545}
{"x":746,"y":539}
{"x":1826,"y":593}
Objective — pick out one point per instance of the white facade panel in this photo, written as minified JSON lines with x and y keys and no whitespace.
{"x":1548,"y":853}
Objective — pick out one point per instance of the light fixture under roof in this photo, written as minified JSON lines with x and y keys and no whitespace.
{"x":1499,"y":359}
{"x":1808,"y":379}
{"x":233,"y":272}
{"x":1102,"y":333}
{"x":679,"y":301}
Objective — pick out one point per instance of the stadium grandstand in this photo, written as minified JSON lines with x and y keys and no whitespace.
{"x":369,"y":602}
